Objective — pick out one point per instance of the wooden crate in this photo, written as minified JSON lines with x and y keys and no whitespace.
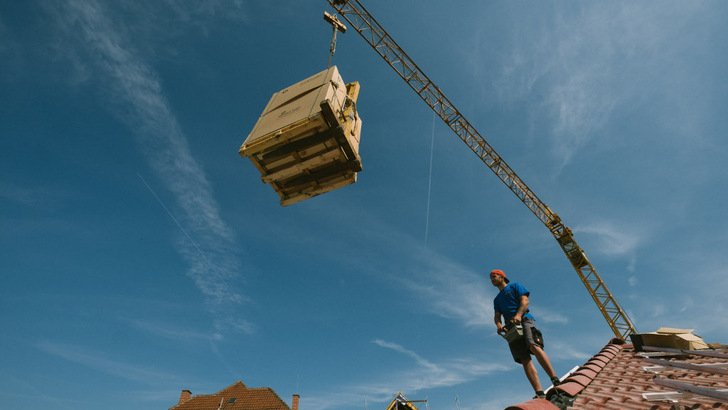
{"x":306,"y":142}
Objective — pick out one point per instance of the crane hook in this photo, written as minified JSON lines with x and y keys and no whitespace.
{"x":337,"y":26}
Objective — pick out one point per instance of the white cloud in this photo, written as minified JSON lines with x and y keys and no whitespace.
{"x":659,"y":310}
{"x":169,"y":332}
{"x":451,"y":291}
{"x":43,"y":197}
{"x":579,"y":112}
{"x":567,"y":350}
{"x":612,"y":239}
{"x":436,"y":283}
{"x":580,"y":66}
{"x":136,"y":95}
{"x":548,"y":316}
{"x":100,"y":362}
{"x":424,"y":374}
{"x":427,"y":374}
{"x":397,"y":348}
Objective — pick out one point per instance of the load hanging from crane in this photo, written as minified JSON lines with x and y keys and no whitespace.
{"x":306,"y":142}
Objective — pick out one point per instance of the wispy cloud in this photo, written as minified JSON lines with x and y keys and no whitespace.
{"x":169,"y":332}
{"x":548,"y":316}
{"x":44,"y":198}
{"x":397,"y":348}
{"x":422,"y":375}
{"x":102,"y":363}
{"x":427,"y":374}
{"x":681,"y":310}
{"x":444,"y":287}
{"x":451,"y":290}
{"x":613,"y":239}
{"x":567,"y":350}
{"x":582,"y":65}
{"x":136,"y":95}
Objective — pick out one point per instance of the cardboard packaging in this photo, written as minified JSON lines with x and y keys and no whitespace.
{"x":306,"y":141}
{"x":671,"y":338}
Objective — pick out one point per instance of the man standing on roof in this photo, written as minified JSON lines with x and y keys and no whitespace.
{"x":512,"y":302}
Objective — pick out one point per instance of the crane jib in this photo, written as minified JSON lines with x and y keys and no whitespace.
{"x":374,"y":34}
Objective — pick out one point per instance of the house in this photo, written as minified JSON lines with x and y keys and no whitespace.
{"x":401,"y":403}
{"x":632,"y":376}
{"x":237,"y":396}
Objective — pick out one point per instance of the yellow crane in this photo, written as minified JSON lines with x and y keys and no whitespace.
{"x":374,"y":34}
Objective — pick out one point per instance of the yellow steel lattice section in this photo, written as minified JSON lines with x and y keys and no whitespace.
{"x":392,"y":53}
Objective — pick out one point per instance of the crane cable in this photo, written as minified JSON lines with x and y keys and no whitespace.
{"x":429,"y":182}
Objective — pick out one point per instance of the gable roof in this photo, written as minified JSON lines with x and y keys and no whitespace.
{"x":237,"y":396}
{"x":401,"y":403}
{"x":619,"y":377}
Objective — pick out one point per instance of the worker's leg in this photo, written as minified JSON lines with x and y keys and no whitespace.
{"x":543,"y":360}
{"x":531,"y":373}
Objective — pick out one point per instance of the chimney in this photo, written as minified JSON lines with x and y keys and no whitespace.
{"x":186,"y":395}
{"x":294,"y":403}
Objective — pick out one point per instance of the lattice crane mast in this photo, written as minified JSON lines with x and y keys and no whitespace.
{"x":374,"y":34}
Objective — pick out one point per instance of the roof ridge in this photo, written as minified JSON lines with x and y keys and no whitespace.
{"x":577,"y":381}
{"x":619,"y":377}
{"x":233,"y":385}
{"x":238,"y":396}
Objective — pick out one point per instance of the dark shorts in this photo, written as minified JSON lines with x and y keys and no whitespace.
{"x":520,"y":348}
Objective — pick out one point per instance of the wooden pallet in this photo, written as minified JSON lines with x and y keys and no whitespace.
{"x":309,"y":157}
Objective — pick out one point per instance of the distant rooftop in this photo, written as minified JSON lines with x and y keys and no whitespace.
{"x":236,"y":396}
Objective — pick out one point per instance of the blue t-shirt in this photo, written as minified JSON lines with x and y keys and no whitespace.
{"x":508,"y":300}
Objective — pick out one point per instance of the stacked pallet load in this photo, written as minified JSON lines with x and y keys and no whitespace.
{"x":306,"y":142}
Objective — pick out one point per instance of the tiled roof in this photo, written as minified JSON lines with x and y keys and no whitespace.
{"x":237,"y":396}
{"x":616,"y":378}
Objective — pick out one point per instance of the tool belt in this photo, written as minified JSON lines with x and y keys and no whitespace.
{"x":514,"y":333}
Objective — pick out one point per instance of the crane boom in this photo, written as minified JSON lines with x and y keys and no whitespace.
{"x":374,"y":34}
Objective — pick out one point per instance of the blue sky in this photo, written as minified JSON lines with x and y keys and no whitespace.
{"x":142,"y":256}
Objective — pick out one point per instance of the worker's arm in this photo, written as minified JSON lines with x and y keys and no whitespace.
{"x":498,"y":324}
{"x":522,"y":309}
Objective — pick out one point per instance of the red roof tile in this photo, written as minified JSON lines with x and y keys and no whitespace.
{"x":623,"y":380}
{"x":570,"y":388}
{"x":579,"y":378}
{"x":237,"y":396}
{"x":589,"y":373}
{"x":615,"y":378}
{"x":535,"y":404}
{"x":595,"y":366}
